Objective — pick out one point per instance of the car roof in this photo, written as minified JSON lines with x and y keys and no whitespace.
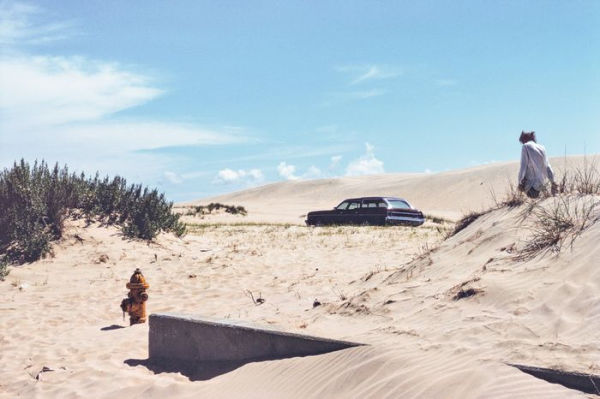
{"x":374,"y":198}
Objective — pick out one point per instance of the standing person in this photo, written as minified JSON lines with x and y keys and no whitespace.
{"x":535,"y":168}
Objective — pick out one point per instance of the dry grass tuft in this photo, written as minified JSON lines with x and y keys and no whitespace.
{"x":553,"y":225}
{"x":583,"y":181}
{"x":464,"y":222}
{"x":3,"y":268}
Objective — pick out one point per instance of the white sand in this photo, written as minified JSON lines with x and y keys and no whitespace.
{"x":380,"y":286}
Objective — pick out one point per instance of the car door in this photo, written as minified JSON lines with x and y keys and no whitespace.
{"x":350,"y":214}
{"x":366,"y":213}
{"x":337,"y":216}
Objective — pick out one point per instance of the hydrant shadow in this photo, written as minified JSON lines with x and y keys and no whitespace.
{"x":111,"y":327}
{"x":195,"y":371}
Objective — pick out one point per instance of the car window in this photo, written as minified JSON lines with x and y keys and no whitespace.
{"x":381,"y":204}
{"x":343,"y":205}
{"x":369,"y":204}
{"x":354,"y":205}
{"x":398,"y":204}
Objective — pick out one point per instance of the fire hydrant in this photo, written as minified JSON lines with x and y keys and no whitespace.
{"x":135,"y":303}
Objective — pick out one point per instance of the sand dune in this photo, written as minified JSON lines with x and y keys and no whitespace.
{"x":392,"y":288}
{"x":447,"y":194}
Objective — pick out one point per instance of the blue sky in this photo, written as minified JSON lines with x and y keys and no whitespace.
{"x":205,"y":97}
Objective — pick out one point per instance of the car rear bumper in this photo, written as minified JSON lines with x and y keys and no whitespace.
{"x":410,"y":220}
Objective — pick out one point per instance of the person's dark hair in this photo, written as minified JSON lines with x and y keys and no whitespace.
{"x":527,"y":136}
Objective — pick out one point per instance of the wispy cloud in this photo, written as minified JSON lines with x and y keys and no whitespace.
{"x":335,"y":160}
{"x":347,"y":96}
{"x":20,"y":24}
{"x":38,"y":91}
{"x":367,"y":164}
{"x":63,"y":108}
{"x":365,"y":73}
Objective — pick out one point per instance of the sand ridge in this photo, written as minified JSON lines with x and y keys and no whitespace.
{"x":448,"y":194}
{"x":392,"y":288}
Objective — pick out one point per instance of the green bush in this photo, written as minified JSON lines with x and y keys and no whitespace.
{"x":35,"y":201}
{"x":216,"y":206}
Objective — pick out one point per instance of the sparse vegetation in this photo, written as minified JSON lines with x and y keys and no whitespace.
{"x":465,"y":221}
{"x":563,"y":220}
{"x":583,"y":181}
{"x":437,"y":219}
{"x":36,"y":200}
{"x":512,"y":198}
{"x":216,"y":207}
{"x":3,"y":268}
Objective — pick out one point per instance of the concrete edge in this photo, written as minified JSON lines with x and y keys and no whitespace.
{"x":246,"y":326}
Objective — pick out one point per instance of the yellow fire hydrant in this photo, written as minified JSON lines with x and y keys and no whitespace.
{"x":135,"y":303}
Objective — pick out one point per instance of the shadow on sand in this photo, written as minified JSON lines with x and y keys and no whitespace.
{"x":196,"y":371}
{"x":111,"y":327}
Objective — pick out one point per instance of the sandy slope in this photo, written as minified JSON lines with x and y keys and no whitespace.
{"x":391,"y":288}
{"x":446,"y":194}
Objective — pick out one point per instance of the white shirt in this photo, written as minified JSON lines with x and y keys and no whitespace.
{"x":535,"y":168}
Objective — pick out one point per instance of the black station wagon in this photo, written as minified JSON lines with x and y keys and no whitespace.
{"x":377,"y":211}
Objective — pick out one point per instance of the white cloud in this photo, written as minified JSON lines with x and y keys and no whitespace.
{"x":38,"y":91}
{"x":173,"y":177}
{"x":248,"y":177}
{"x":19,"y":25}
{"x":312,"y":173}
{"x":287,"y":171}
{"x":63,"y":108}
{"x":364,"y":73}
{"x":376,"y":72}
{"x":335,"y":160}
{"x":366,"y":164}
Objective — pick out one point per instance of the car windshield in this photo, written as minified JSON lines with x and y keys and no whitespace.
{"x":398,"y":204}
{"x":343,"y":205}
{"x":354,"y":205}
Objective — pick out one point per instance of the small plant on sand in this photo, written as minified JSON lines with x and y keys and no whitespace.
{"x":3,"y":268}
{"x":556,"y":223}
{"x":586,"y":180}
{"x":464,"y":222}
{"x":513,"y":197}
{"x":215,"y":207}
{"x":36,"y":200}
{"x":257,"y":301}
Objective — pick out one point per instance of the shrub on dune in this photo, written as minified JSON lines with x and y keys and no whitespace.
{"x":557,"y":222}
{"x":36,"y":200}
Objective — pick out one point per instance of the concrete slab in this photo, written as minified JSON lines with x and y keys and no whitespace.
{"x":193,"y":338}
